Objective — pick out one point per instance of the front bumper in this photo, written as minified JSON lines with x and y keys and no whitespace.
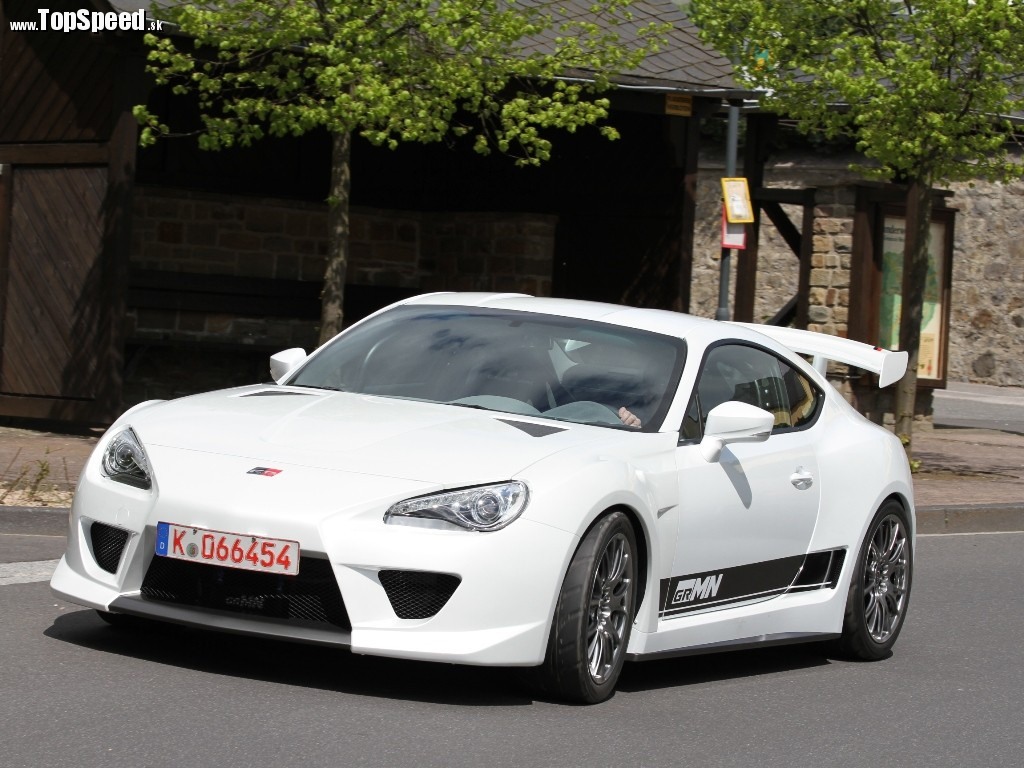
{"x":499,"y":614}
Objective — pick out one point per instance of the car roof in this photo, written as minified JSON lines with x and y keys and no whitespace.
{"x":790,"y":344}
{"x":657,"y":320}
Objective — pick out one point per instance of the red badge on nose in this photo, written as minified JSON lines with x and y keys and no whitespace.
{"x":265,"y":471}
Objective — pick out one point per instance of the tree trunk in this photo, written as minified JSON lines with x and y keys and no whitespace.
{"x":915,"y":274}
{"x":333,"y":295}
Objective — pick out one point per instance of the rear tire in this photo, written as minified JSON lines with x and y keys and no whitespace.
{"x":594,"y":615}
{"x":876,"y":605}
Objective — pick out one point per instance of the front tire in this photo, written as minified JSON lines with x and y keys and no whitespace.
{"x":880,"y":588}
{"x":594,"y":614}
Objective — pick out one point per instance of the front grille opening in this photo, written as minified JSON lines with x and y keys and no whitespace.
{"x":108,"y":545}
{"x":310,"y":597}
{"x":418,"y":594}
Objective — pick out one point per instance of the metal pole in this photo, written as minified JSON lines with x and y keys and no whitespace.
{"x":731,"y":142}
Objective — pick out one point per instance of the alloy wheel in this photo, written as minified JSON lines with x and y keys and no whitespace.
{"x":609,"y":609}
{"x":885,"y":578}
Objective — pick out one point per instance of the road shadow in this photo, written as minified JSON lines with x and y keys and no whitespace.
{"x":684,"y":671}
{"x":293,"y":664}
{"x":331,"y":669}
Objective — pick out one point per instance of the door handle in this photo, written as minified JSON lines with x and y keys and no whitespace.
{"x":801,"y":479}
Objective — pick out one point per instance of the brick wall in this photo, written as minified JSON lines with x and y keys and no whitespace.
{"x":182,"y":231}
{"x":177,"y":352}
{"x":488,"y":252}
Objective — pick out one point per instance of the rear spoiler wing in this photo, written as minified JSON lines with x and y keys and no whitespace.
{"x":890,"y":366}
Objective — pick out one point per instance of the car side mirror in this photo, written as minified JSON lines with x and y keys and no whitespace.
{"x":734,"y":422}
{"x":283,"y":363}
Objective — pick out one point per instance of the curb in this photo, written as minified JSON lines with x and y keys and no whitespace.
{"x":971,"y":518}
{"x":54,"y":510}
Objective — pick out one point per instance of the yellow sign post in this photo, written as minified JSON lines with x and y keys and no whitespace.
{"x":736,"y":194}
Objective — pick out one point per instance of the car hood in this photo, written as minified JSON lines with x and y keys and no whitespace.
{"x":432,"y":443}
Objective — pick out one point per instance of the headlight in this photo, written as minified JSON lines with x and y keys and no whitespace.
{"x":125,"y":460}
{"x":484,"y":508}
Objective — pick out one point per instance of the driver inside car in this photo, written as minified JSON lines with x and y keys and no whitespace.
{"x":629,"y":418}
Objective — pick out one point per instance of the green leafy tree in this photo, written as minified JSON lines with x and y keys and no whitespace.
{"x":924,"y":87}
{"x":393,"y":71}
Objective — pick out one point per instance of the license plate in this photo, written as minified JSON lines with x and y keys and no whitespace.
{"x":233,"y":550}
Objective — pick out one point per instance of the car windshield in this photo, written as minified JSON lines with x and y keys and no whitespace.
{"x":513,"y":362}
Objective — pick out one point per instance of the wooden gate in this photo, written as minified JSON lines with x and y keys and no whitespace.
{"x":52,"y":311}
{"x":67,"y":161}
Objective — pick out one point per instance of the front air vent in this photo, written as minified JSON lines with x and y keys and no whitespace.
{"x":108,"y":545}
{"x":418,"y":594}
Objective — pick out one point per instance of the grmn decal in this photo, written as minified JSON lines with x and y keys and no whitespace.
{"x":697,"y":589}
{"x":264,"y":471}
{"x":713,"y":590}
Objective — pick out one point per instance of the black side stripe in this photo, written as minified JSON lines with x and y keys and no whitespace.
{"x":681,"y":595}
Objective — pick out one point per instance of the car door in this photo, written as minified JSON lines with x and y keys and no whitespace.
{"x":746,"y":520}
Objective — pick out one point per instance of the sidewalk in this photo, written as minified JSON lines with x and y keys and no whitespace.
{"x":971,"y":479}
{"x":40,"y":468}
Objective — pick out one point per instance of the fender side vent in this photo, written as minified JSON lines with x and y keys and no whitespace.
{"x":820,"y":570}
{"x":835,"y":568}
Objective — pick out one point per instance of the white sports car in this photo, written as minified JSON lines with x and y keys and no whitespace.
{"x":506,"y":480}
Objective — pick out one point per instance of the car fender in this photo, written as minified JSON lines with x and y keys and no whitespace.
{"x":882,"y":471}
{"x":574,"y":489}
{"x":125,"y":417}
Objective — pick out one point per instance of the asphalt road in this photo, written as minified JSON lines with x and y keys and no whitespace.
{"x":76,"y":692}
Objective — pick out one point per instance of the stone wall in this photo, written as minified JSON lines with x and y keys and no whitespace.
{"x":986,"y":342}
{"x":986,"y":336}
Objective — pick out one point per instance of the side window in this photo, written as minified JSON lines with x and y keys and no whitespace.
{"x":803,"y":396}
{"x":751,"y":375}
